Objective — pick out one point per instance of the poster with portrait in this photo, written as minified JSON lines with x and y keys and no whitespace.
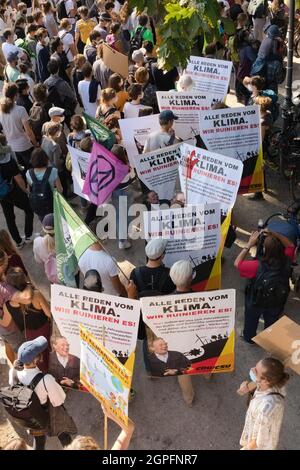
{"x":193,"y":234}
{"x":186,"y":106}
{"x":210,"y":75}
{"x":158,"y":170}
{"x":236,"y":133}
{"x":112,"y":320}
{"x":190,"y":333}
{"x":209,"y":177}
{"x":80,"y":163}
{"x":103,"y":376}
{"x":135,"y":132}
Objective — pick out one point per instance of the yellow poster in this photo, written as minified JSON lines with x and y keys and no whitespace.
{"x":104,"y":376}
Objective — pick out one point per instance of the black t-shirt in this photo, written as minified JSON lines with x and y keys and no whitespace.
{"x":235,"y":10}
{"x":151,"y":278}
{"x":9,"y":170}
{"x":164,"y":81}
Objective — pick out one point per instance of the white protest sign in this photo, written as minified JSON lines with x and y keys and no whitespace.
{"x":80,"y":162}
{"x":210,"y":75}
{"x":195,"y":329}
{"x":158,"y":170}
{"x":193,"y":232}
{"x":186,"y":107}
{"x":135,"y":132}
{"x":236,"y":133}
{"x":119,"y":316}
{"x":209,"y":177}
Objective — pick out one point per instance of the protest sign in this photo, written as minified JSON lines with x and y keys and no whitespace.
{"x":194,"y":234}
{"x":115,"y":61}
{"x":72,"y":238}
{"x":186,"y":107}
{"x":105,"y":173}
{"x":80,"y":162}
{"x":236,"y":133}
{"x":119,"y":316}
{"x":210,"y":76}
{"x":191,"y":333}
{"x":103,"y":375}
{"x":282,"y":339}
{"x":209,"y":177}
{"x":135,"y":132}
{"x":101,"y":134}
{"x":158,"y":170}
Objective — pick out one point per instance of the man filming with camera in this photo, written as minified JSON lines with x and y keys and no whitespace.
{"x":268,"y":277}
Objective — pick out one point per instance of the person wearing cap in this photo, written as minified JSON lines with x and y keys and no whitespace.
{"x":23,"y":98}
{"x":103,"y":25}
{"x":57,"y":116}
{"x":139,"y":61}
{"x":11,"y":71}
{"x":47,"y":390}
{"x":44,"y":246}
{"x":165,"y":136}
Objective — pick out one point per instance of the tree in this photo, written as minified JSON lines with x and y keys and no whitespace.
{"x":180,"y":23}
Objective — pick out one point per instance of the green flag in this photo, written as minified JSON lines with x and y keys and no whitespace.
{"x":102,"y":135}
{"x":72,"y":238}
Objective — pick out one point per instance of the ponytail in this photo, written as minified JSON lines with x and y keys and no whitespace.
{"x":10,"y":91}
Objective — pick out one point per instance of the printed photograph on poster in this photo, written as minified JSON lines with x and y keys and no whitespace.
{"x":210,"y":76}
{"x":158,"y":170}
{"x":119,"y":317}
{"x":64,"y":366}
{"x":135,"y":132}
{"x":186,"y":107}
{"x":236,"y":133}
{"x":80,"y":162}
{"x":209,"y":177}
{"x":103,"y":376}
{"x":191,"y":333}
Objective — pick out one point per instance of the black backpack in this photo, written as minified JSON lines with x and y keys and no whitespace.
{"x":41,"y":196}
{"x":270,"y":288}
{"x":136,"y":41}
{"x":145,"y":290}
{"x":23,"y":405}
{"x":61,"y":10}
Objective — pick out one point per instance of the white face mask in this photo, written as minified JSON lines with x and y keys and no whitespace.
{"x":15,"y":37}
{"x":249,"y":87}
{"x":252,"y":376}
{"x":47,"y":40}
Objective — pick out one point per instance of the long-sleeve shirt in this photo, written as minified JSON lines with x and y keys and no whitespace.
{"x":43,"y":57}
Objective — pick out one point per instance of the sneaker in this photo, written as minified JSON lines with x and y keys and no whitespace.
{"x":132,"y":395}
{"x":29,"y":239}
{"x":124,"y":245}
{"x":256,"y":197}
{"x":20,"y":245}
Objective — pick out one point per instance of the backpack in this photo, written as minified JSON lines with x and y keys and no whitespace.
{"x":136,"y":41}
{"x":41,"y":196}
{"x":256,"y":8}
{"x":5,"y":187}
{"x":51,"y":269}
{"x":37,"y":117}
{"x":270,"y":288}
{"x":22,"y":403}
{"x":275,"y":109}
{"x":275,"y":71}
{"x":145,"y":291}
{"x":61,"y":10}
{"x":23,"y":44}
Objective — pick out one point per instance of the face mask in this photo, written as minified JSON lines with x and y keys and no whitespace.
{"x":47,"y":40}
{"x":15,"y":37}
{"x":252,"y":376}
{"x":249,"y":87}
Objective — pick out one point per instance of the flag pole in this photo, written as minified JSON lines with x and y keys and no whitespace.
{"x":105,"y":416}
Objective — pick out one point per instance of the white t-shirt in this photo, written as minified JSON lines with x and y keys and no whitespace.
{"x":7,"y":48}
{"x":40,"y":250}
{"x":13,"y":129}
{"x":101,"y":262}
{"x":67,"y":39}
{"x":83,"y":90}
{"x":54,"y":391}
{"x":158,"y":140}
{"x":69,"y":4}
{"x":132,"y":110}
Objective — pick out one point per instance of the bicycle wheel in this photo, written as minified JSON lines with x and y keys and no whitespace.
{"x":272,"y":144}
{"x":286,"y":169}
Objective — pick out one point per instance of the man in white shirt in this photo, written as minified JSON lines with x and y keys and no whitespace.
{"x":89,"y":90}
{"x":9,"y":46}
{"x":96,"y":258}
{"x":164,"y":137}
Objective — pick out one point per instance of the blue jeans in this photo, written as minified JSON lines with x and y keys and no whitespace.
{"x":252,"y":316}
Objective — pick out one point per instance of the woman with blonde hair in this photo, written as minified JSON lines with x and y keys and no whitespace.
{"x":67,"y":39}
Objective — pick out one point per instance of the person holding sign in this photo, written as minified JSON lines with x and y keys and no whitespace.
{"x":165,"y":136}
{"x":265,"y":412}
